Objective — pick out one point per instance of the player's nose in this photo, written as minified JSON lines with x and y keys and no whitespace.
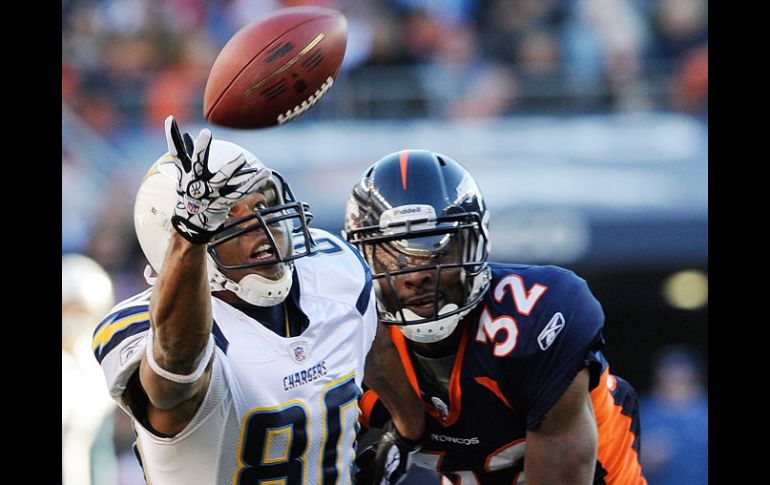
{"x":418,"y":279}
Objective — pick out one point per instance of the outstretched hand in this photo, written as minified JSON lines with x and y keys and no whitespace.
{"x":203,"y":197}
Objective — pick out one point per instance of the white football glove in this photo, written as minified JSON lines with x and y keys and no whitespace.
{"x":205,"y":198}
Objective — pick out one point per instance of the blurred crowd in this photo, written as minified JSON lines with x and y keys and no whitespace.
{"x":674,"y":418}
{"x":128,"y":63}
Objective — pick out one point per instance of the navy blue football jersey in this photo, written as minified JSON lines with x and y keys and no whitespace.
{"x":534,"y":330}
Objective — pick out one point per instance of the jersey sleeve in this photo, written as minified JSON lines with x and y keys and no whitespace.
{"x":373,"y":412}
{"x":565,"y":340}
{"x":335,"y":270}
{"x":119,"y":342}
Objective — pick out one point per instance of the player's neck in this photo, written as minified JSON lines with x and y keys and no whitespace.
{"x":284,"y":319}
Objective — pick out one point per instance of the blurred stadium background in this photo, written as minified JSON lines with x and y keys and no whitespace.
{"x":585,"y":123}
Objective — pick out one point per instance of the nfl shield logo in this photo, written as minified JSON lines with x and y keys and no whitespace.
{"x":298,"y":351}
{"x":193,"y":207}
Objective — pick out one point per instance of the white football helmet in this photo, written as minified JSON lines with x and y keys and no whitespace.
{"x":86,"y":295}
{"x":154,"y":208}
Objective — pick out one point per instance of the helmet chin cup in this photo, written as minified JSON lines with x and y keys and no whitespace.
{"x":264,"y":292}
{"x":253,"y":288}
{"x":431,"y":332}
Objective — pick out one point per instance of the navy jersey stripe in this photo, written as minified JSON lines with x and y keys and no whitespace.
{"x":116,"y":339}
{"x":219,"y":338}
{"x":138,"y":457}
{"x":625,"y":396}
{"x":363,"y":298}
{"x":600,"y":475}
{"x":125,"y":312}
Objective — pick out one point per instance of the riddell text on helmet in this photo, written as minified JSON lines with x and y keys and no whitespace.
{"x":306,"y":105}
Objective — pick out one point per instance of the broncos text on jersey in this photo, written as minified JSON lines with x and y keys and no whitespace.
{"x":522,"y":345}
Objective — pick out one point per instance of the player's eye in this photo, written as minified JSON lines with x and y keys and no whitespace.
{"x":439,"y":255}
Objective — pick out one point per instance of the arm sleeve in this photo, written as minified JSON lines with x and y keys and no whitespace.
{"x":373,"y":412}
{"x":560,"y":353}
{"x":119,"y":342}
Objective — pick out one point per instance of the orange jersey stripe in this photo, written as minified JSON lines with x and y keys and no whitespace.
{"x":492,"y":385}
{"x":367,"y":402}
{"x":400,"y":342}
{"x":616,"y":452}
{"x":455,"y":392}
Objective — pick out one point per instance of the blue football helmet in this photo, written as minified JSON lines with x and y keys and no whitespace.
{"x":419,"y":219}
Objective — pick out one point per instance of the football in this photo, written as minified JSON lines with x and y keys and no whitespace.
{"x":275,"y":69}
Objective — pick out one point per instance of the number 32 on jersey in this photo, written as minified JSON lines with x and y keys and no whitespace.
{"x":524,"y":300}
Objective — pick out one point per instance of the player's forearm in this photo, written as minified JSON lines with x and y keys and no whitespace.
{"x":561,"y":463}
{"x":563,"y":450}
{"x":180,"y":308}
{"x":385,"y":374}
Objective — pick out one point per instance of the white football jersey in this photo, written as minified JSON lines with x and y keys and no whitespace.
{"x":278,"y":410}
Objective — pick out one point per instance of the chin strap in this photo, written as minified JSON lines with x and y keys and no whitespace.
{"x":255,"y":289}
{"x":441,"y":328}
{"x":264,"y":292}
{"x":432,"y":331}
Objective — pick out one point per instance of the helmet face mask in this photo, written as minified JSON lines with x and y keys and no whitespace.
{"x":419,"y":221}
{"x":275,"y":208}
{"x":443,"y":259}
{"x":284,"y":218}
